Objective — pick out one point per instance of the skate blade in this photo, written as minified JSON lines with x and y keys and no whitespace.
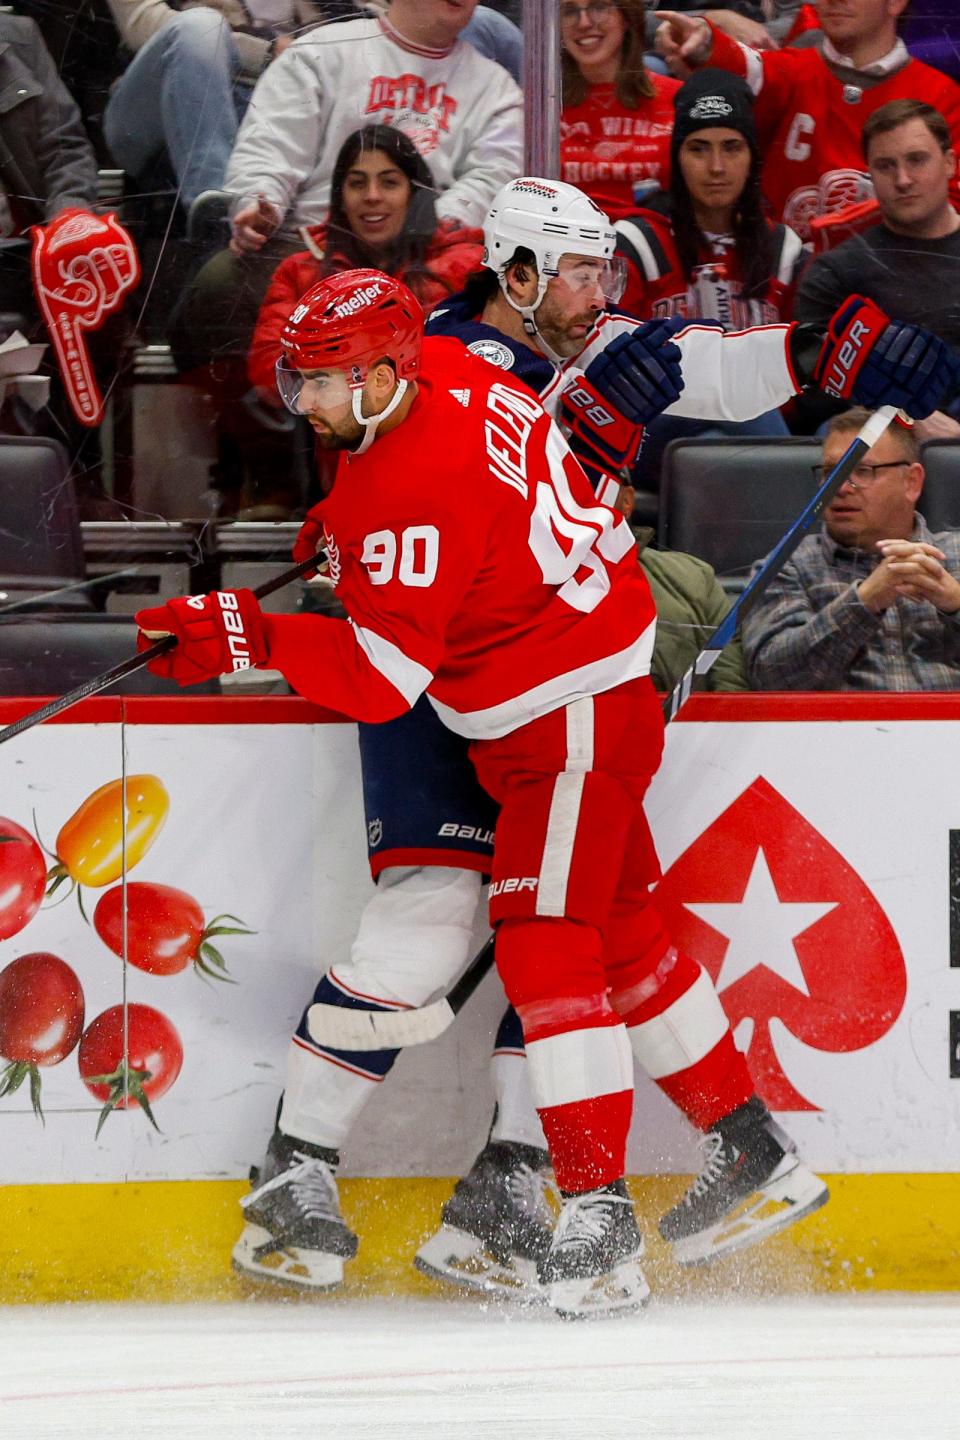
{"x":791,"y":1193}
{"x":621,"y":1291}
{"x":458,"y":1258}
{"x":304,"y":1270}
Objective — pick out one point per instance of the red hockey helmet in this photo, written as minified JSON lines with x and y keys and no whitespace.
{"x":350,"y":321}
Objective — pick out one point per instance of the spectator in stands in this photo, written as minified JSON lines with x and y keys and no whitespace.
{"x":812,"y":103}
{"x":190,"y":81}
{"x":409,"y":69}
{"x":47,"y":163}
{"x":690,"y":604}
{"x":704,"y":249}
{"x":871,"y":602}
{"x":617,"y":116}
{"x":490,"y":31}
{"x":382,"y":214}
{"x":909,"y":263}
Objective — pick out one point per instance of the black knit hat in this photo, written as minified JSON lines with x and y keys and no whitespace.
{"x":712,"y":98}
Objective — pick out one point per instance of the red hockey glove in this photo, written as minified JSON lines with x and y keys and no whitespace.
{"x":599,"y":434}
{"x":216,"y":635}
{"x":310,"y":540}
{"x":869,"y":359}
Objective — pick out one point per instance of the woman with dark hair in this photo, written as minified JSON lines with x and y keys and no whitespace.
{"x":382,"y":216}
{"x":704,"y":249}
{"x":617,"y":115}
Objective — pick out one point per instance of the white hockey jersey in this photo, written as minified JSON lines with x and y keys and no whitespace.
{"x":463,"y":112}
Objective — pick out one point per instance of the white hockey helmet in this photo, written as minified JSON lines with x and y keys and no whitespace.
{"x":551,"y":219}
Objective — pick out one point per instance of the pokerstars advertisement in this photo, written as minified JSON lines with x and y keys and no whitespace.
{"x":807,"y":867}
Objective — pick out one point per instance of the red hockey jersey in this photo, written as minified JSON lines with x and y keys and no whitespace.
{"x":473,"y":562}
{"x":809,"y":122}
{"x":472,"y":558}
{"x":605,"y":149}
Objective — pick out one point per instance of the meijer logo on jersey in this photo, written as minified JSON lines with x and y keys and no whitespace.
{"x":363,"y":297}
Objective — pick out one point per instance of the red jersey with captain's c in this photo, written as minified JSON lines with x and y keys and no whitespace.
{"x":474,"y":564}
{"x":809,"y":123}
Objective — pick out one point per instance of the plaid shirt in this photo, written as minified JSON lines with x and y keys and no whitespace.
{"x":810,"y":630}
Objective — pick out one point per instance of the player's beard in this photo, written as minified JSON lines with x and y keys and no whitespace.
{"x":555,"y":329}
{"x":346,"y":436}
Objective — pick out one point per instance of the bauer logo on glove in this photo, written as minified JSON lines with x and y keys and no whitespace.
{"x":216,"y":634}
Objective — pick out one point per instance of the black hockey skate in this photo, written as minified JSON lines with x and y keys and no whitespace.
{"x":751,"y":1185}
{"x":497,"y":1224}
{"x":294,"y":1233}
{"x":593,"y":1265}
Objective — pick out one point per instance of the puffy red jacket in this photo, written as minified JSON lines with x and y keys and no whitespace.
{"x":452,"y":255}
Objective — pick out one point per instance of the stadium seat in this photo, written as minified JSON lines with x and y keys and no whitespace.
{"x":940,"y":501}
{"x":54,"y":654}
{"x":730,"y":501}
{"x":41,"y":547}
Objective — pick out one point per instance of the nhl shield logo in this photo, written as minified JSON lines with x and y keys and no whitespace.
{"x":374,"y":833}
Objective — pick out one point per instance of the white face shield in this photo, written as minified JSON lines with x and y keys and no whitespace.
{"x":584,"y":273}
{"x":327,"y":391}
{"x":324,"y":391}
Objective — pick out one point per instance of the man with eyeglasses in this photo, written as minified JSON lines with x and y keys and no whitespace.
{"x":872,"y":602}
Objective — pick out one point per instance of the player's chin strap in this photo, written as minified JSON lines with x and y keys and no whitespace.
{"x":372,"y":423}
{"x":527,"y":312}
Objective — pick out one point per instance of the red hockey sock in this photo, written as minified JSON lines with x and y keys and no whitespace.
{"x":588,"y":1140}
{"x":682,"y":1038}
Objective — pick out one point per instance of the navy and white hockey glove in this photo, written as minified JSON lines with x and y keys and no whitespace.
{"x":639,"y":373}
{"x":600,"y":437}
{"x":868,"y":359}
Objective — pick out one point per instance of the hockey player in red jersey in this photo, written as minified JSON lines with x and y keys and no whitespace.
{"x":529,"y":625}
{"x":811,"y":104}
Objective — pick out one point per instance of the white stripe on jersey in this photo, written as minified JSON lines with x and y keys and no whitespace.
{"x":754,"y":64}
{"x":580,"y":1065}
{"x":790,"y":252}
{"x":564,"y":814}
{"x":403,"y":673}
{"x":590,"y":679}
{"x":685,"y":1032}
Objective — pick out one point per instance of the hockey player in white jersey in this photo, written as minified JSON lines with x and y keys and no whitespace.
{"x":550,"y":276}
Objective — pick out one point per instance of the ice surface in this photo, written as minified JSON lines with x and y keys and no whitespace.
{"x":886,"y":1368}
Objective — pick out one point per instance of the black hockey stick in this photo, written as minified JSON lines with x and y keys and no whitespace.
{"x":344,"y":1029}
{"x":137,"y":662}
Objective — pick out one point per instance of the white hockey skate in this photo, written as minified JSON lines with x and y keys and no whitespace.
{"x":593,"y":1267}
{"x":752,"y":1184}
{"x":497,"y":1224}
{"x":294,"y":1233}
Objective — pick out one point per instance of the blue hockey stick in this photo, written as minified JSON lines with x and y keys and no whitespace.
{"x":865,"y":438}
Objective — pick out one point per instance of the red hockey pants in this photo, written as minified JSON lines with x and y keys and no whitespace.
{"x":581,"y":949}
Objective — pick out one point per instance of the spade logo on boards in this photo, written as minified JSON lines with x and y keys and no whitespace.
{"x":786,"y":928}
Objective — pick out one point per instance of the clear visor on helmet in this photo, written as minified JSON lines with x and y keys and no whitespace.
{"x":306,"y":393}
{"x":586,"y":273}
